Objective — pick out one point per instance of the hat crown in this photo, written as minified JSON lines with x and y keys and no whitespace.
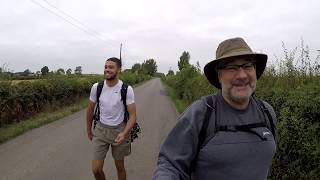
{"x":232,"y":46}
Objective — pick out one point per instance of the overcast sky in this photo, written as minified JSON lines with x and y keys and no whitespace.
{"x":66,"y":34}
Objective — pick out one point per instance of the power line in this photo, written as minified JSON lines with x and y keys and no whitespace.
{"x":84,"y":28}
{"x":66,"y":20}
{"x":73,"y":18}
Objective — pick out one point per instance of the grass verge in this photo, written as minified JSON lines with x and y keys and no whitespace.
{"x":13,"y":130}
{"x":180,"y":105}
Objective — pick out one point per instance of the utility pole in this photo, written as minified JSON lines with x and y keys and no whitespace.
{"x":120,"y":50}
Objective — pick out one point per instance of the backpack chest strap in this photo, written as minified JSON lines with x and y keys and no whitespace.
{"x":245,"y":127}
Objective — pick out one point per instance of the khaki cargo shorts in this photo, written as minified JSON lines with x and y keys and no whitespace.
{"x":103,"y":137}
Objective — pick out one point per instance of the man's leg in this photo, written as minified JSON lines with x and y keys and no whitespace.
{"x":97,"y":169}
{"x":119,"y":152}
{"x":121,"y":171}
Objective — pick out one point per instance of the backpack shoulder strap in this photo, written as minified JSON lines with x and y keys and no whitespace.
{"x":266,"y":109}
{"x":124,"y":90}
{"x":99,"y":90}
{"x":97,"y":110}
{"x":210,"y":104}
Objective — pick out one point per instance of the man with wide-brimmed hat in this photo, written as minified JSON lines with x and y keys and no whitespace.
{"x":228,"y":135}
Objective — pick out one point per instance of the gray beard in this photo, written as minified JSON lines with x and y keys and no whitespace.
{"x":240,"y":100}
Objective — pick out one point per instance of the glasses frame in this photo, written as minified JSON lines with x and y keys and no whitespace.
{"x":249,"y":66}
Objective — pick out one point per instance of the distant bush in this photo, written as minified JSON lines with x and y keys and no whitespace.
{"x":133,"y":78}
{"x":189,"y":84}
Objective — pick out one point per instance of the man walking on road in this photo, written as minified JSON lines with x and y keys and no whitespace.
{"x":112,"y":129}
{"x":228,"y":135}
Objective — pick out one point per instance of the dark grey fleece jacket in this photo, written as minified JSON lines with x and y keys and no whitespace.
{"x":228,"y":155}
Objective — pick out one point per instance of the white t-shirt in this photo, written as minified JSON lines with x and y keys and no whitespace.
{"x":111,"y":105}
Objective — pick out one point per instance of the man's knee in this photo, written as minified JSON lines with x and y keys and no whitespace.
{"x":97,"y":167}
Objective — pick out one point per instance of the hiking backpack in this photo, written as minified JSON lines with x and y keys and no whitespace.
{"x":96,"y":117}
{"x":211,"y":104}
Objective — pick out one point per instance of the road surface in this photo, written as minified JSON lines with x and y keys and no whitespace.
{"x":62,"y":151}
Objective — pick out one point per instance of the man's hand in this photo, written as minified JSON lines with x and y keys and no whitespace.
{"x":120,"y":138}
{"x":90,"y":134}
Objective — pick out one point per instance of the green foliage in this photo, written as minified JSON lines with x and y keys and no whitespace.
{"x":298,"y":153}
{"x":19,"y":100}
{"x":149,"y":67}
{"x":24,"y":98}
{"x":159,"y":74}
{"x":60,"y":71}
{"x":69,"y":71}
{"x":180,"y":104}
{"x":10,"y":131}
{"x":136,"y":68}
{"x":170,"y":73}
{"x":293,"y":89}
{"x":184,"y":60}
{"x":78,"y":70}
{"x":133,"y":78}
{"x":189,"y":84}
{"x":26,"y":72}
{"x":44,"y":70}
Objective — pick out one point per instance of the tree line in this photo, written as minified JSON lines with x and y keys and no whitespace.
{"x":147,"y":67}
{"x":44,"y":71}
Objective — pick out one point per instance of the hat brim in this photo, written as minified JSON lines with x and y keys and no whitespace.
{"x":212,"y":74}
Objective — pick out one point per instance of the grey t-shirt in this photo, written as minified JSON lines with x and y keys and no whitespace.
{"x":227,"y":155}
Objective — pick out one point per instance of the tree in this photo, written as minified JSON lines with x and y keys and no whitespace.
{"x":127,"y":71}
{"x":60,"y":71}
{"x":26,"y":72}
{"x":69,"y":71}
{"x":170,"y":73}
{"x":44,"y":70}
{"x":38,"y":73}
{"x":136,"y":67}
{"x":4,"y":68}
{"x":198,"y":66}
{"x":78,"y":70}
{"x":0,"y":70}
{"x":149,"y":67}
{"x":184,"y":60}
{"x":159,"y":74}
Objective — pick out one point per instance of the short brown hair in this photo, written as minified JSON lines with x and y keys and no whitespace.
{"x":116,"y":60}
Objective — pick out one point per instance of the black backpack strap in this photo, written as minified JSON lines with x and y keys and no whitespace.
{"x":203,"y":132}
{"x":96,"y":115}
{"x":124,"y":90}
{"x":210,"y":106}
{"x":245,"y":127}
{"x":270,"y":118}
{"x":241,"y":127}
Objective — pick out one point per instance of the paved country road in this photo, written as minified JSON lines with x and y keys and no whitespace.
{"x":62,"y":151}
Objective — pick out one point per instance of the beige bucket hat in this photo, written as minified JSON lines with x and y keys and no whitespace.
{"x":231,"y":48}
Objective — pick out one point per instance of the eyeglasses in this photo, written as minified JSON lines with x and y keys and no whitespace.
{"x":234,"y":67}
